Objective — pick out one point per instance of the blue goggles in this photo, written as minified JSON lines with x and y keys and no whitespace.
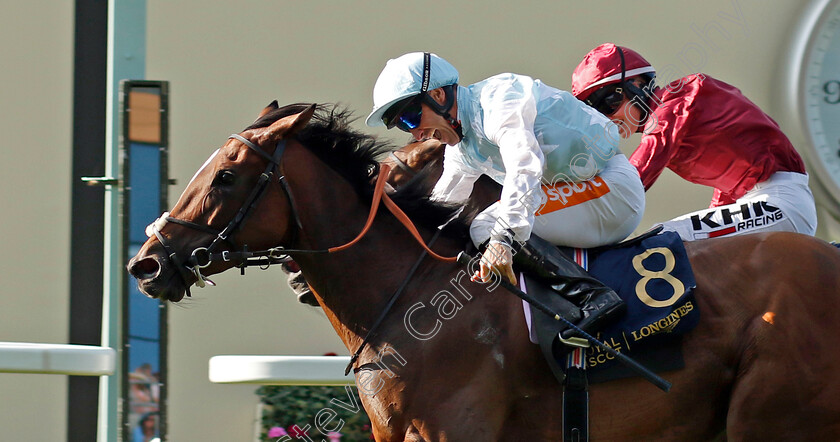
{"x":404,"y":115}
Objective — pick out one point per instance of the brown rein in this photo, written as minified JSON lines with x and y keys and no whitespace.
{"x":380,"y":195}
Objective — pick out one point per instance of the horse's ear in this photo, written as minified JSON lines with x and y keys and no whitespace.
{"x":271,"y":106}
{"x":285,"y":127}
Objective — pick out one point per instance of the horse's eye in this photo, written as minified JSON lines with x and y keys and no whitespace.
{"x":224,"y":178}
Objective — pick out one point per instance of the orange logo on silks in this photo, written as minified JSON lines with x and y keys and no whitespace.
{"x":562,"y":195}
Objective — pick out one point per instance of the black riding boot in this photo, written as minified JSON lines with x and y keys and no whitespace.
{"x":599,"y":304}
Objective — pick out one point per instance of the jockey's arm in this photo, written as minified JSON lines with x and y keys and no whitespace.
{"x":456,"y":181}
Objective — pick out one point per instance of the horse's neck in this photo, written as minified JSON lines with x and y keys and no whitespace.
{"x":355,"y":284}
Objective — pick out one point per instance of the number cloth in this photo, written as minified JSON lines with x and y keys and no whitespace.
{"x":655,"y":280}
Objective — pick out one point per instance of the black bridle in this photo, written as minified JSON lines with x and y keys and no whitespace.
{"x":202,"y":257}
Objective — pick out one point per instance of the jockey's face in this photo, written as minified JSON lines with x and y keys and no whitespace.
{"x":433,"y":125}
{"x":628,"y":116}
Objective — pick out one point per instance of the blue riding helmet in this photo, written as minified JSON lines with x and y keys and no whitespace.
{"x":403,"y":77}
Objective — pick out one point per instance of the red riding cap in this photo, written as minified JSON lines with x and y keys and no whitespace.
{"x":602,"y":66}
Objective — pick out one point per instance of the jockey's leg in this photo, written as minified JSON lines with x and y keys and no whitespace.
{"x":782,"y":203}
{"x":599,"y":304}
{"x":602,"y":210}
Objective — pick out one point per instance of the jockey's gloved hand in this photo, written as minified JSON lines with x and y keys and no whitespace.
{"x":497,"y":258}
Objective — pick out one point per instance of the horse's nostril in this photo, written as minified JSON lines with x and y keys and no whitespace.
{"x":144,"y":268}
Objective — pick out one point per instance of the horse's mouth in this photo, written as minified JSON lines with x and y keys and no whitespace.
{"x":157,"y":281}
{"x":172,"y":292}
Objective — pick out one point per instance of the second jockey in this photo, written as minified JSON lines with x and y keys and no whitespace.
{"x":708,"y":133}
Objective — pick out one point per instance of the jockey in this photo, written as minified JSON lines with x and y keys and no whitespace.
{"x":534,"y":140}
{"x":707,"y":132}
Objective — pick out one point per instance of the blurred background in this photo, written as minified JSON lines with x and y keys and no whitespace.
{"x":224,"y":62}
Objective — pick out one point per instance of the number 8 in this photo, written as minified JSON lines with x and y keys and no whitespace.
{"x":664,"y":274}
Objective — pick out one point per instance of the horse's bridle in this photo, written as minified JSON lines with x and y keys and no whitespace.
{"x":202,"y":257}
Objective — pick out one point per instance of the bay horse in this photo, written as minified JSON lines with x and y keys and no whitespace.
{"x":422,"y":160}
{"x":453,"y":361}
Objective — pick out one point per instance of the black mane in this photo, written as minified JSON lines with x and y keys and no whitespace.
{"x":356,"y":157}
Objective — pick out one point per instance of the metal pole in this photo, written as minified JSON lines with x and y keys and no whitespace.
{"x":88,"y":205}
{"x":126,"y":59}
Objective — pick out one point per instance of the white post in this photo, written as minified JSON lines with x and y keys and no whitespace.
{"x":126,"y":60}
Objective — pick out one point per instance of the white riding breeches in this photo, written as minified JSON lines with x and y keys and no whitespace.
{"x":603,"y":210}
{"x":783,"y":202}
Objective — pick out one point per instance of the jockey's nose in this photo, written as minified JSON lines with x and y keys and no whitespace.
{"x":417,"y":133}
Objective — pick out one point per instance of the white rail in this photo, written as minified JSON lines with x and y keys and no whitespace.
{"x":67,"y":359}
{"x":279,"y":370}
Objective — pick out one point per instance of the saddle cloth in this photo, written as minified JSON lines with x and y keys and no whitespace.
{"x":654,"y":278}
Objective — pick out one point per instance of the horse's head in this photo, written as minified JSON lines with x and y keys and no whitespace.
{"x":419,"y":164}
{"x":422,"y":160}
{"x":237,"y":198}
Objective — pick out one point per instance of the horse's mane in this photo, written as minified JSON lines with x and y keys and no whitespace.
{"x":356,"y":156}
